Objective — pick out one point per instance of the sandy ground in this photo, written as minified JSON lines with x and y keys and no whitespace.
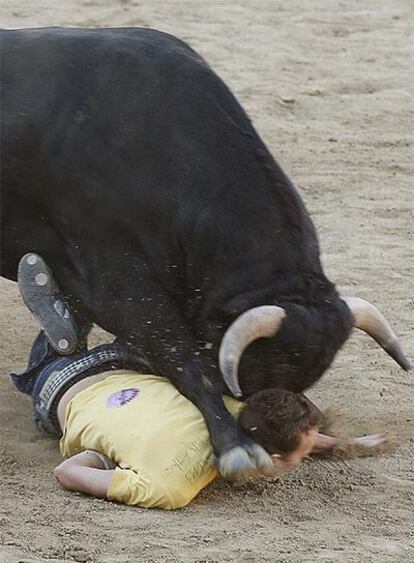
{"x":328,"y":84}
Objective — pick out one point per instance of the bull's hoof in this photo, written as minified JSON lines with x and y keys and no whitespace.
{"x":240,"y":463}
{"x":236,"y":464}
{"x":262,"y":459}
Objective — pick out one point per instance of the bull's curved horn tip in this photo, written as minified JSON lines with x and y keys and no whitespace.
{"x":369,"y":319}
{"x":236,"y":391}
{"x":230,"y":378}
{"x":398,"y":355}
{"x":260,"y":322}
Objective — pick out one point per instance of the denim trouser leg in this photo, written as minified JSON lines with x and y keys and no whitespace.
{"x":41,"y":354}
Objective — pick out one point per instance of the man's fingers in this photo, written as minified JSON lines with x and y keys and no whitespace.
{"x":372,"y":441}
{"x":363,"y":446}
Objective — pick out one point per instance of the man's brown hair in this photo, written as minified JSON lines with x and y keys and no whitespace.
{"x":275,"y":419}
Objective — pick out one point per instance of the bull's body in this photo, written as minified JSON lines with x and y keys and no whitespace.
{"x":131,"y":168}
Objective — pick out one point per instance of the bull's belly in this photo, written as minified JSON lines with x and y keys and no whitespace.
{"x":19,"y":235}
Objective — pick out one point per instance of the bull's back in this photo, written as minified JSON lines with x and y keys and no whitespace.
{"x":79,"y":133}
{"x":126,"y":124}
{"x":123,"y":142}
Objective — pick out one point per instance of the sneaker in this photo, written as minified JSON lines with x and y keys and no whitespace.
{"x":43,"y":297}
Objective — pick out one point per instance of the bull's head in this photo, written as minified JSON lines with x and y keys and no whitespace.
{"x":266,"y":321}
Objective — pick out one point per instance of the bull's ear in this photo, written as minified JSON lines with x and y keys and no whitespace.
{"x":259,"y":322}
{"x":370,"y":320}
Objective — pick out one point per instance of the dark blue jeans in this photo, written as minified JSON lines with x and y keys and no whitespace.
{"x":49,"y":375}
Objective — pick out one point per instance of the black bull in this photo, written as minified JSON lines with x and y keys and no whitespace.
{"x":131,"y":168}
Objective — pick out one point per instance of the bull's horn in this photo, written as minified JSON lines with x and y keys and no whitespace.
{"x":371,"y":321}
{"x":255,"y":323}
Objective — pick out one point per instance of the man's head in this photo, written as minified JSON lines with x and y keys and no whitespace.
{"x":284,"y":423}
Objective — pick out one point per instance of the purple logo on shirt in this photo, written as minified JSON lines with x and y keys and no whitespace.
{"x":121,"y":398}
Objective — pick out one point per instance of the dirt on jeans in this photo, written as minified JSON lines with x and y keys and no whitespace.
{"x":329,"y":86}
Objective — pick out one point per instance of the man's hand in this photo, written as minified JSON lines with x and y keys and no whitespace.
{"x":362,"y":446}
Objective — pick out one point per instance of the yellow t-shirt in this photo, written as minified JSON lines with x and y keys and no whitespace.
{"x":157,"y":437}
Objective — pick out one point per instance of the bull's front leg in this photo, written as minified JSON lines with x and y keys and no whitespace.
{"x":157,"y":331}
{"x":237,"y":455}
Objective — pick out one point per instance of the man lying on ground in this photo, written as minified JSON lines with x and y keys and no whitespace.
{"x":132,"y":437}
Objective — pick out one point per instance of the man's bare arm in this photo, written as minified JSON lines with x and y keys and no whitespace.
{"x":85,"y":472}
